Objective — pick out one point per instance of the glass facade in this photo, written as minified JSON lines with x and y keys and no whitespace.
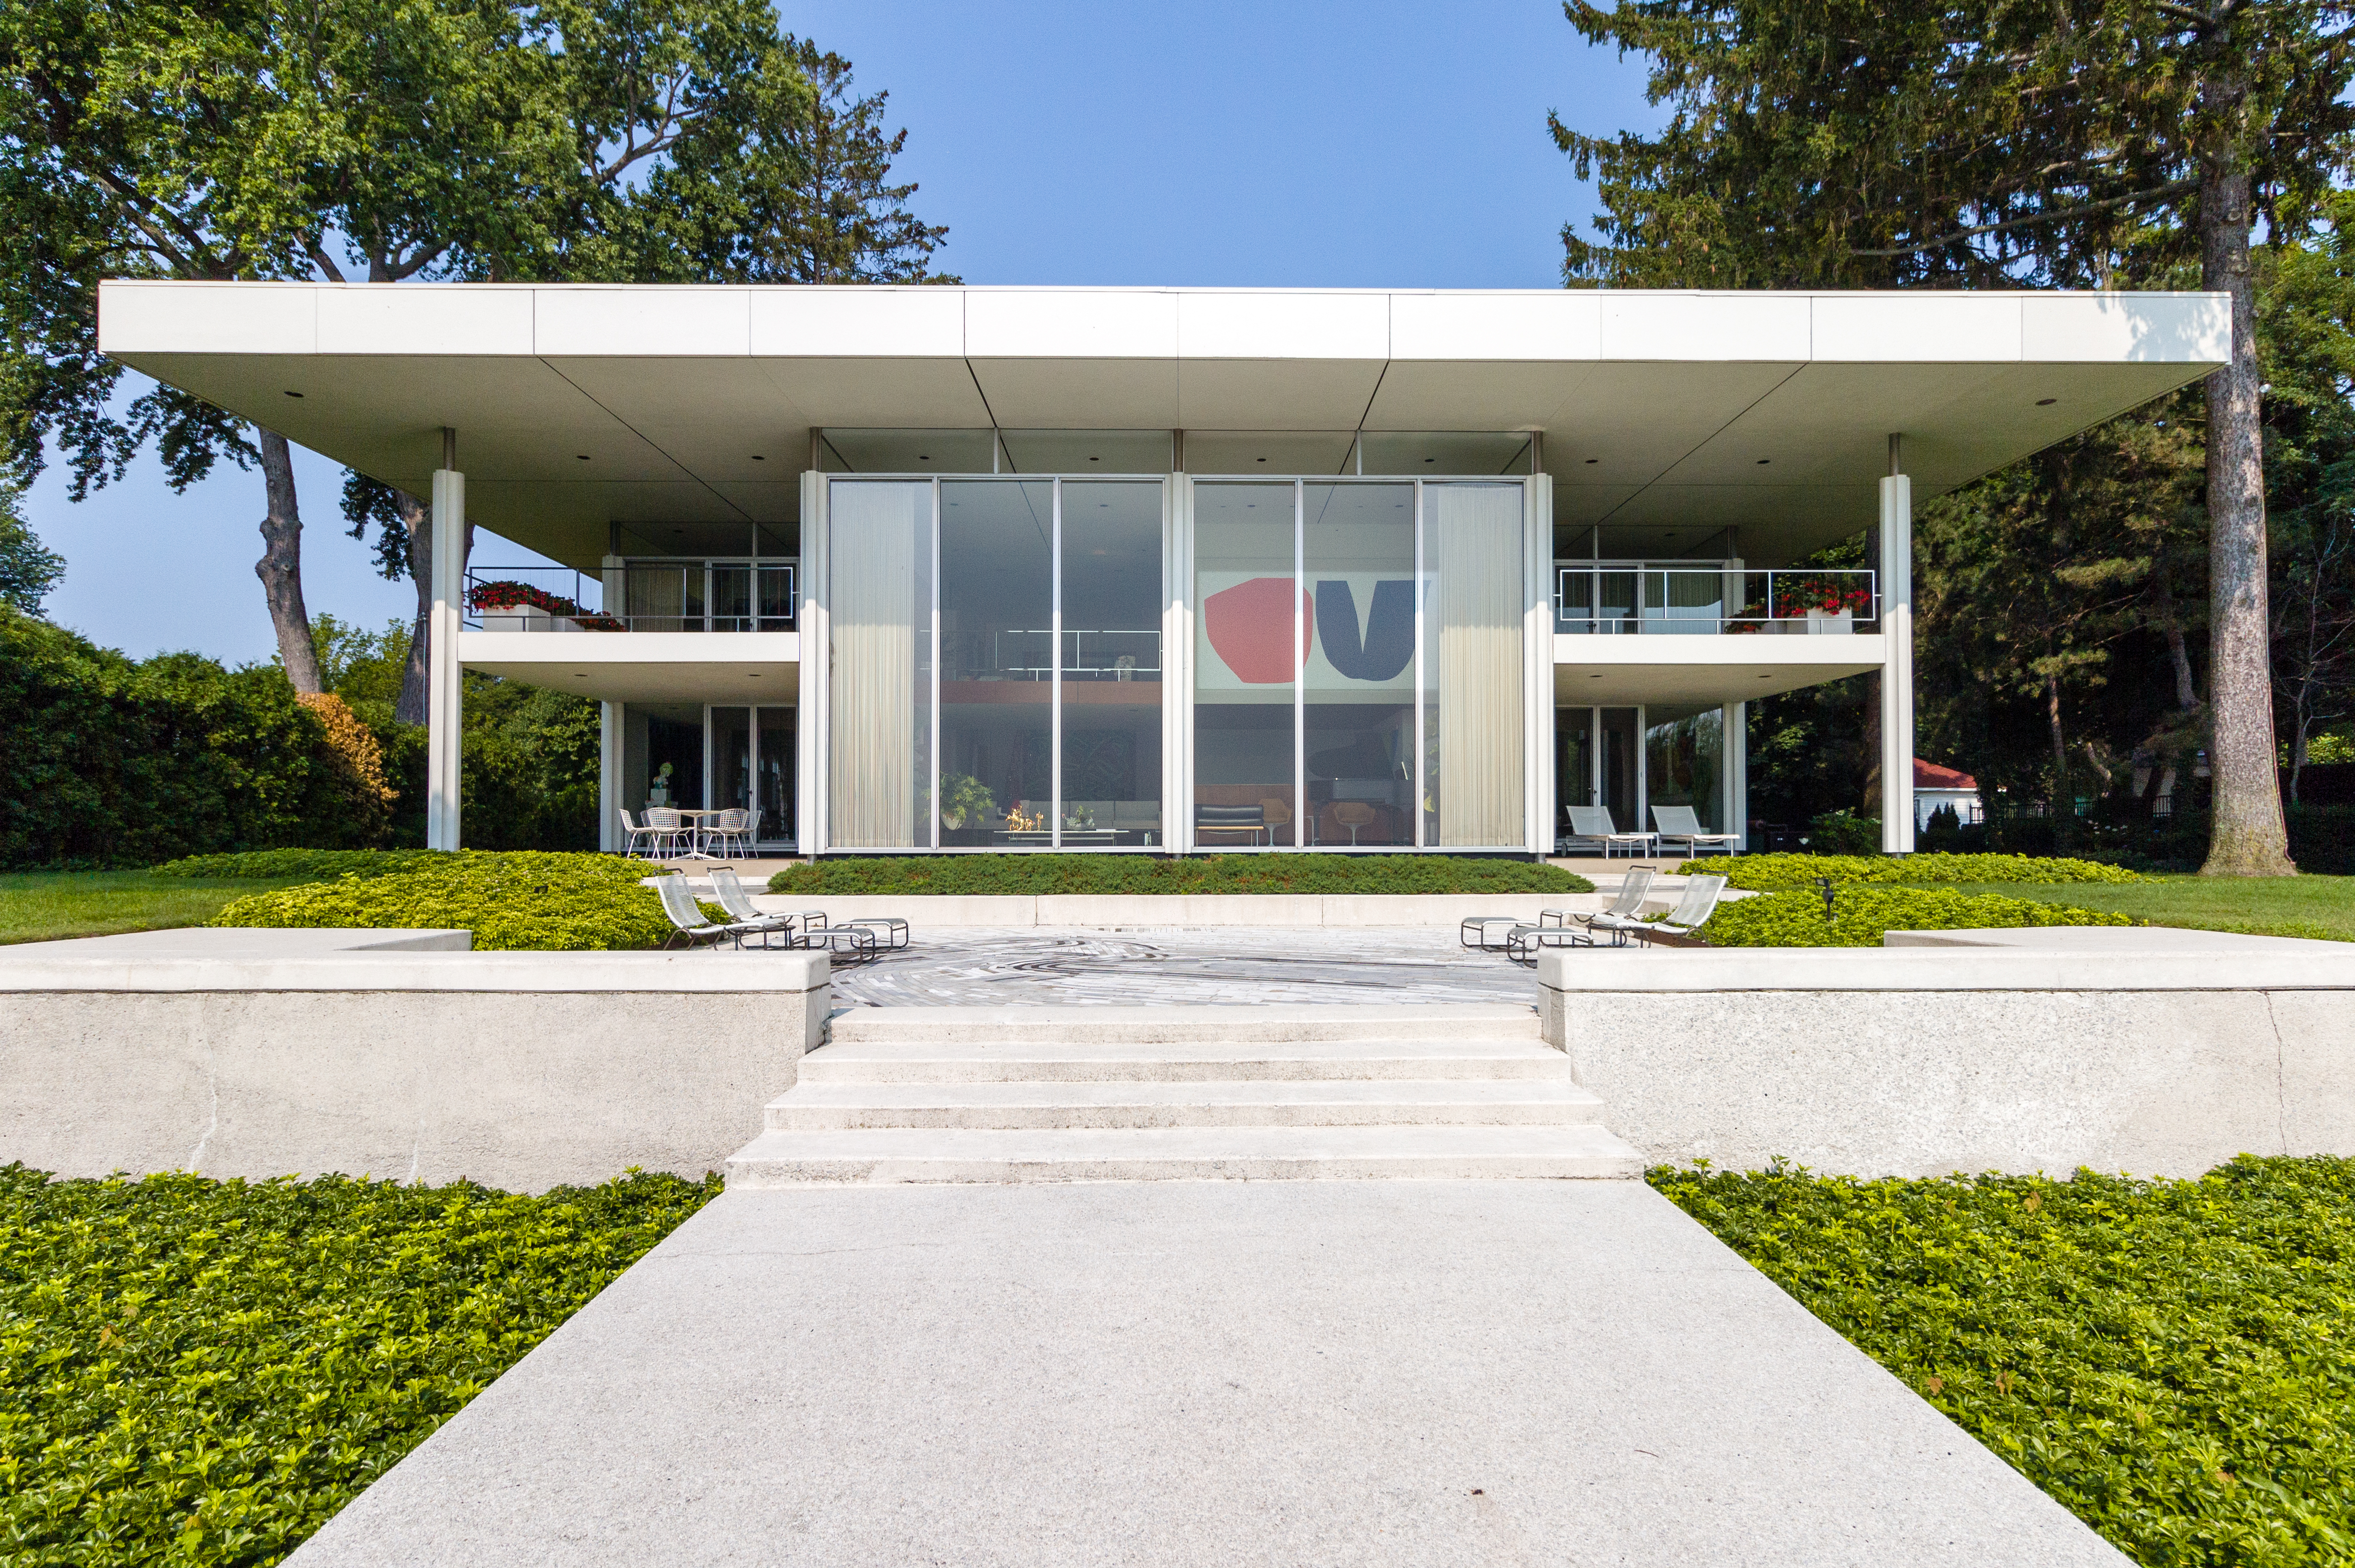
{"x":1684,"y":761}
{"x":1358,"y":713}
{"x":1250,"y":625}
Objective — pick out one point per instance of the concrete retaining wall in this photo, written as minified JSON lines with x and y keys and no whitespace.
{"x":521,"y":1070}
{"x":1926,"y":1060}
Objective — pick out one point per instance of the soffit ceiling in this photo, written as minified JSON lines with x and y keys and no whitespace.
{"x":1765,"y":413}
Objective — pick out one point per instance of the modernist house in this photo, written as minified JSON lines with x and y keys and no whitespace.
{"x":935,"y":569}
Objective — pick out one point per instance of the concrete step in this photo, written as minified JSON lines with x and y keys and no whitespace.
{"x":1309,"y":1102}
{"x":889,"y":1156}
{"x":1029,"y":1060}
{"x":1274,"y":1023}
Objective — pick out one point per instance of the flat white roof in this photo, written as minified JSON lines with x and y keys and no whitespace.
{"x":578,"y":404}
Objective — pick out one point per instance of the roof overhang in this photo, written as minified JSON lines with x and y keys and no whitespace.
{"x":645,"y":666}
{"x":576,"y":405}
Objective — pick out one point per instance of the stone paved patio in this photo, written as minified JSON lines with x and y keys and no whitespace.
{"x":960,"y":965}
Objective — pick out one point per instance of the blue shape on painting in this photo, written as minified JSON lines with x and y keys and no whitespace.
{"x":1388,"y":645}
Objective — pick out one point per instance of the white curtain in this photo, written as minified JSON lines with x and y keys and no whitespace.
{"x":879,"y":544}
{"x":1477,"y":530}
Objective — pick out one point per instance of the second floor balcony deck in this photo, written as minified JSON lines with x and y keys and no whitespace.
{"x":637,"y":596}
{"x":1716,"y":598}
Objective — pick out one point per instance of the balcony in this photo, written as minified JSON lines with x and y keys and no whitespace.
{"x":1687,"y":598}
{"x":637,"y":596}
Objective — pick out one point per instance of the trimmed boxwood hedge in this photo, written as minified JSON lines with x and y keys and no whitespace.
{"x":2170,"y":1360}
{"x":522,"y":900}
{"x":1859,"y":914}
{"x":270,"y":865}
{"x":1773,"y":873}
{"x":201,"y":1372}
{"x":1025,"y":873}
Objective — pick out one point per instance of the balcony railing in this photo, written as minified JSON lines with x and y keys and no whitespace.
{"x":640,"y":596}
{"x":1625,"y":597}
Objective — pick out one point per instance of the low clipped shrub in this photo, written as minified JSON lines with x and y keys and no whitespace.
{"x":1859,"y":914}
{"x":203,"y":1373}
{"x":1773,"y":873}
{"x":524,"y":900}
{"x":1030,"y":874}
{"x":274,"y":865}
{"x":2169,"y":1361}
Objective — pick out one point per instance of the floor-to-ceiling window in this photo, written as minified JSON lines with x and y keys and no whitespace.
{"x":1359,"y":664}
{"x":1044,"y":599}
{"x":1252,"y":623}
{"x":1684,"y":760}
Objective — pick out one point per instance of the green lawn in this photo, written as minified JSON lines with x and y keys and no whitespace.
{"x":37,"y":906}
{"x":2268,"y":906}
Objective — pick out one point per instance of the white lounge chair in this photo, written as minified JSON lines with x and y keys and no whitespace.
{"x":687,"y":916}
{"x":1594,"y":823}
{"x":1634,"y":888}
{"x":1692,"y":912}
{"x":729,"y":889}
{"x":1684,"y":823}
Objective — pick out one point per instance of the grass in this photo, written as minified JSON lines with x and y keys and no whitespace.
{"x":40,"y":906}
{"x":2171,"y":1360}
{"x":2267,"y":906}
{"x":201,"y":1372}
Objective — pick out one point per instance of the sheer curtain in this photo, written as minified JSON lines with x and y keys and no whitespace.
{"x":1477,"y":530}
{"x":880,"y":539}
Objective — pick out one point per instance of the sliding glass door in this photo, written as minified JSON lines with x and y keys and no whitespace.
{"x":1359,"y":673}
{"x":752,"y":767}
{"x":1010,"y":631}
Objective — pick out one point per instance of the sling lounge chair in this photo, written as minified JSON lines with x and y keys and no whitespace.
{"x":1683,"y":823}
{"x":1692,"y":912}
{"x":729,"y":889}
{"x":1634,"y":888}
{"x":686,"y":915}
{"x":1594,"y":823}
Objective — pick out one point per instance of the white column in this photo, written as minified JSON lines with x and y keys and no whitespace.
{"x":1735,"y":775}
{"x":444,"y":691}
{"x":1897,"y":662}
{"x":1536,"y":638}
{"x":609,"y":777}
{"x":810,"y":756}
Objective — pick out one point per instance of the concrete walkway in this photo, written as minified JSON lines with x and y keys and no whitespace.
{"x":1401,"y":1373}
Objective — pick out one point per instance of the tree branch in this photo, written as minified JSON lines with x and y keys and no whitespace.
{"x":2173,"y":188}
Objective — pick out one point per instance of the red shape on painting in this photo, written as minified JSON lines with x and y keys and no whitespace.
{"x":1250,"y":626}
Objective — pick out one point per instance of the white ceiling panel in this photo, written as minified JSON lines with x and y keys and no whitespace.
{"x":1316,"y":394}
{"x":1478,"y":395}
{"x":1080,"y":394}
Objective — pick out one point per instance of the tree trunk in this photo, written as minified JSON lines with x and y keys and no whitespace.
{"x":2063,"y":809}
{"x":410,"y":707}
{"x":2247,"y":836}
{"x":281,"y":566}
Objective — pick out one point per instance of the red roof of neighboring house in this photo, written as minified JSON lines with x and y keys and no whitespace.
{"x":1930,"y":775}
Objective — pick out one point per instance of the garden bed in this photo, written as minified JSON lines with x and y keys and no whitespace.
{"x":1858,"y":915}
{"x":2169,"y":1360}
{"x":203,"y":1373}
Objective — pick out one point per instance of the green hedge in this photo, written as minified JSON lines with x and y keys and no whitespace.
{"x":1773,"y":873}
{"x":521,"y":901}
{"x":278,"y":864}
{"x":202,"y":1372}
{"x":1861,"y":913}
{"x":107,"y":761}
{"x":1023,"y":873}
{"x":2170,"y":1360}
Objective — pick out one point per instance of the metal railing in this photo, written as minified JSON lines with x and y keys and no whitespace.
{"x":1088,"y":655}
{"x":639,"y":596}
{"x":1625,"y":597}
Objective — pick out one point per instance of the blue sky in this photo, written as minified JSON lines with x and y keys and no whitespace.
{"x":1223,"y":144}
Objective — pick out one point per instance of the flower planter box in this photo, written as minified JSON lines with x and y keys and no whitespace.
{"x":1817,"y":623}
{"x":519,"y":618}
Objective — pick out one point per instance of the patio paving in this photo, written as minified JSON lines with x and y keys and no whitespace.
{"x":1199,"y":1372}
{"x":964,"y":965}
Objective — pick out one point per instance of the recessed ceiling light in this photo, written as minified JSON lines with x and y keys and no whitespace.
{"x":923,"y":457}
{"x":581,"y":674}
{"x":581,"y":456}
{"x":1430,"y":460}
{"x":1593,"y":461}
{"x":758,"y":458}
{"x":293,"y":394}
{"x":1765,"y":461}
{"x":2046,"y":402}
{"x":1095,"y":460}
{"x":1263,"y":460}
{"x":754,"y":676}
